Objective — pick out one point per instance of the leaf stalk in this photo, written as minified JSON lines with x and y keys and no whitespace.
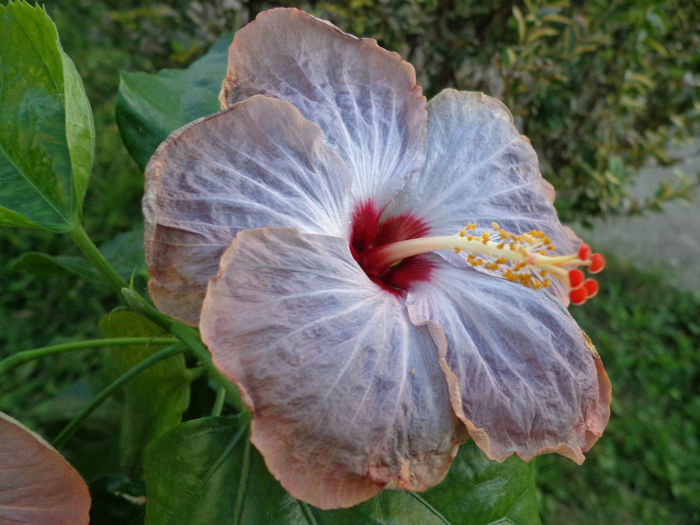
{"x":70,"y":429}
{"x":15,"y":360}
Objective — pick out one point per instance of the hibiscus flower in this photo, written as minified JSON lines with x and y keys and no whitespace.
{"x":381,"y":278}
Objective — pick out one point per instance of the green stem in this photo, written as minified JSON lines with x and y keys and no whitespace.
{"x":219,"y":402}
{"x":93,"y":254}
{"x":188,"y":336}
{"x":195,"y":372}
{"x":25,"y":356}
{"x":142,"y":306}
{"x":67,"y":432}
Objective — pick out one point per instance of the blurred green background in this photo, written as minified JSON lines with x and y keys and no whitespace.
{"x":602,"y":88}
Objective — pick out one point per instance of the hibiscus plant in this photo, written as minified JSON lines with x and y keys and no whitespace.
{"x":375,"y":286}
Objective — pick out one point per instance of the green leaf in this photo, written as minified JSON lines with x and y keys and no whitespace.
{"x":192,"y":473}
{"x":151,"y":106}
{"x":197,"y":473}
{"x":124,"y":252}
{"x":47,"y":134}
{"x":518,"y":15}
{"x":37,"y":263}
{"x":155,"y":400}
{"x":541,"y":33}
{"x":491,"y":491}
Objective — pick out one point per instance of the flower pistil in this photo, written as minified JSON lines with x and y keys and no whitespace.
{"x":526,"y":258}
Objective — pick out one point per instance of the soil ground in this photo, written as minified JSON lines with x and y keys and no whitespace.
{"x":666,"y":241}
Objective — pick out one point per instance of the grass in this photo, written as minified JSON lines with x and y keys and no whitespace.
{"x":645,"y":469}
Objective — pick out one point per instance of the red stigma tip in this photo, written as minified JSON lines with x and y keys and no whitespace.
{"x":575,"y":278}
{"x":584,"y":252}
{"x":591,"y":287}
{"x":578,"y":296}
{"x":597,"y":263}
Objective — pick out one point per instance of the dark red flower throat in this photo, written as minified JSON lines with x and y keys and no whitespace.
{"x":370,"y":231}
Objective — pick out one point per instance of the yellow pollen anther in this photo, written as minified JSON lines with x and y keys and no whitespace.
{"x":525,"y":258}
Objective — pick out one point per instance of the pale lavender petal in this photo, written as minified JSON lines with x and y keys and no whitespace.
{"x":37,"y":486}
{"x":479,"y":169}
{"x":257,"y":164}
{"x":364,"y":98}
{"x":523,"y":377}
{"x":347,"y":395}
